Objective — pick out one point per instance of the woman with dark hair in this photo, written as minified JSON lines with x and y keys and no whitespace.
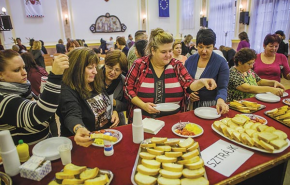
{"x":103,"y":46}
{"x":185,"y":44}
{"x":208,"y":64}
{"x":43,"y":49}
{"x":229,"y":54}
{"x":244,"y":41}
{"x":140,"y":46}
{"x":121,"y":44}
{"x":269,"y":63}
{"x":85,"y":105}
{"x":244,"y":82}
{"x":60,"y":48}
{"x":115,"y":63}
{"x":34,"y":72}
{"x":283,"y":45}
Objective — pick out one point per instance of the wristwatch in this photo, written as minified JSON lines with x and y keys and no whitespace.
{"x":78,"y":127}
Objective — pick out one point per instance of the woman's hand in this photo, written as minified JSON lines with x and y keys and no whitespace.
{"x":279,"y":85}
{"x":115,"y":119}
{"x":82,"y":137}
{"x":149,"y":107}
{"x":277,"y":91}
{"x":60,"y":63}
{"x":209,"y":83}
{"x":193,"y":96}
{"x":221,"y":106}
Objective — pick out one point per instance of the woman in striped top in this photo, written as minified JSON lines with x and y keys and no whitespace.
{"x":25,"y":118}
{"x":159,"y":78}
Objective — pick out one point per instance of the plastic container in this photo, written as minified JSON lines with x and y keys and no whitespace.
{"x":23,"y":151}
{"x":137,"y":127}
{"x":108,"y":146}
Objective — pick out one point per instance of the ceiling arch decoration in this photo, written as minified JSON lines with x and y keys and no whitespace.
{"x":108,"y":24}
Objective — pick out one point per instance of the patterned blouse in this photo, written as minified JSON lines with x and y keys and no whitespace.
{"x":236,"y":79}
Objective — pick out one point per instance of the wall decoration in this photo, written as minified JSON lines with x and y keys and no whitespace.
{"x":33,"y":8}
{"x":107,"y":24}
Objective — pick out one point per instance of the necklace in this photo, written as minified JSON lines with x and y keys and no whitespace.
{"x":107,"y":84}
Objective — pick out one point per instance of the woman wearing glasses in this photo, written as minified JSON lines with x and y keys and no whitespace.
{"x":115,"y":63}
{"x":244,"y":82}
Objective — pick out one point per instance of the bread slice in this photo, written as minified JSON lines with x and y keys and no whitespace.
{"x":173,"y":154}
{"x":269,"y":129}
{"x":73,"y":169}
{"x":172,"y":142}
{"x":217,"y":124}
{"x":280,"y":134}
{"x":72,"y":181}
{"x":145,"y":179}
{"x":154,"y":152}
{"x":267,"y":136}
{"x":151,"y":163}
{"x":225,"y":120}
{"x":186,"y":143}
{"x":239,"y":120}
{"x":189,"y":161}
{"x":170,"y":174}
{"x":261,"y":128}
{"x":150,"y":145}
{"x":158,"y":140}
{"x":256,"y":142}
{"x":250,"y":132}
{"x":190,"y":155}
{"x":104,"y":136}
{"x":165,"y":159}
{"x":249,"y":140}
{"x":248,"y":125}
{"x":266,"y":146}
{"x":255,"y":126}
{"x":146,"y":155}
{"x":147,"y":171}
{"x":197,"y":181}
{"x":59,"y":176}
{"x":193,"y":147}
{"x":102,"y":179}
{"x":196,"y":165}
{"x":243,"y":138}
{"x":89,"y":173}
{"x":228,"y":132}
{"x":163,"y":148}
{"x":178,"y":149}
{"x":278,"y":143}
{"x":167,"y":181}
{"x":237,"y":136}
{"x":193,"y":173}
{"x":172,"y":167}
{"x":232,"y":125}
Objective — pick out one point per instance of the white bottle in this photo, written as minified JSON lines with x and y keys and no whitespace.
{"x":11,"y":162}
{"x":108,"y":146}
{"x":137,"y":127}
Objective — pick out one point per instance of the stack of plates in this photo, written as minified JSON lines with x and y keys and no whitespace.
{"x":206,"y":113}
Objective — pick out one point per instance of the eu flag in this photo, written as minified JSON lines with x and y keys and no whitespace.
{"x":163,"y":8}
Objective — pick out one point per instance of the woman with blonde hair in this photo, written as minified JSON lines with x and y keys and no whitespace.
{"x":37,"y":54}
{"x":177,"y":52}
{"x":159,"y":78}
{"x":185,"y":45}
{"x":85,"y":105}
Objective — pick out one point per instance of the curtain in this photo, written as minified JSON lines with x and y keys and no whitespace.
{"x":187,"y":15}
{"x":221,"y":20}
{"x":268,"y":16}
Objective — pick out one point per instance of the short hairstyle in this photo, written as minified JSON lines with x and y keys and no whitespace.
{"x":5,"y":56}
{"x":129,"y":35}
{"x":206,"y":37}
{"x":97,"y":50}
{"x":36,"y":45}
{"x":158,"y":37}
{"x":121,"y":41}
{"x":175,"y":43}
{"x":244,"y":55}
{"x":244,"y":36}
{"x":42,"y":43}
{"x":117,"y":57}
{"x":139,"y":35}
{"x":271,"y":38}
{"x":140,"y":46}
{"x":18,"y":38}
{"x":188,"y":39}
{"x":15,"y":48}
{"x":29,"y":61}
{"x":31,"y":42}
{"x":74,"y":76}
{"x":280,"y":32}
{"x":60,"y":41}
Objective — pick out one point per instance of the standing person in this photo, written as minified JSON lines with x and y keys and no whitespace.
{"x":229,"y":54}
{"x":208,"y":64}
{"x":60,"y":48}
{"x":268,"y":63}
{"x":150,"y":79}
{"x":115,"y":63}
{"x":34,"y":72}
{"x":130,"y":41}
{"x":140,"y":46}
{"x":283,"y":45}
{"x":185,"y":47}
{"x":31,"y":44}
{"x":85,"y":105}
{"x":68,"y":44}
{"x":22,"y":48}
{"x":121,"y":44}
{"x":244,"y":41}
{"x":24,"y":117}
{"x":43,"y":49}
{"x":37,"y":55}
{"x":177,"y":52}
{"x":110,"y":44}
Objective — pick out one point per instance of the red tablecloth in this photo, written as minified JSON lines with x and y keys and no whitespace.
{"x":122,"y":162}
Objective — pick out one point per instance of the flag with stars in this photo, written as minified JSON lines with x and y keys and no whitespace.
{"x":163,"y":8}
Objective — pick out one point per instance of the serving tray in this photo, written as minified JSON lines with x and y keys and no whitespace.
{"x":142,"y":149}
{"x":251,"y":111}
{"x":280,"y":121}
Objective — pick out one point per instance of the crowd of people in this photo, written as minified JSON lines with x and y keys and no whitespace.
{"x":136,"y":74}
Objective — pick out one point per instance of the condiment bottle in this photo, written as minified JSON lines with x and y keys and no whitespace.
{"x":23,"y":151}
{"x":137,"y":126}
{"x":108,"y":146}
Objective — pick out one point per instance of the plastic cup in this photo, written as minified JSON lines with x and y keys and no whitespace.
{"x":137,"y":117}
{"x":65,"y":153}
{"x":6,"y":142}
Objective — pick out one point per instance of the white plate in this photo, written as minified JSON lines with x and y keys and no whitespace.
{"x":253,"y":147}
{"x":254,"y":116}
{"x":48,"y":148}
{"x":268,"y":97}
{"x":177,"y":124}
{"x":116,"y":134}
{"x":286,"y":101}
{"x":285,"y":94}
{"x":206,"y":113}
{"x":165,"y":107}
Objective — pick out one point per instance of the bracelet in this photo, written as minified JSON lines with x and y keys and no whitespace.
{"x":78,"y":127}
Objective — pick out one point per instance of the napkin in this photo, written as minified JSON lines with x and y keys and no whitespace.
{"x":152,"y":126}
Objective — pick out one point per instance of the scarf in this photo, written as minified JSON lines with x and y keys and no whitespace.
{"x":23,"y":90}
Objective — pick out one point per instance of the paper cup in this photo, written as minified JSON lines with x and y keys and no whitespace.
{"x":137,"y":117}
{"x":6,"y":142}
{"x":65,"y":153}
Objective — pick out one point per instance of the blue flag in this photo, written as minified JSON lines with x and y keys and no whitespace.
{"x":163,"y":8}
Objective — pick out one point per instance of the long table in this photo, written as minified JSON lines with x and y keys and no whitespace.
{"x":122,"y":162}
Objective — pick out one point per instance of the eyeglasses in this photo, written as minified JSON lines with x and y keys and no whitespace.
{"x":109,"y":69}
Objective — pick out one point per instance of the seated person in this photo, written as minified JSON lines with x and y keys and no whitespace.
{"x":244,"y":82}
{"x":25,"y":118}
{"x":85,"y":105}
{"x":159,"y":78}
